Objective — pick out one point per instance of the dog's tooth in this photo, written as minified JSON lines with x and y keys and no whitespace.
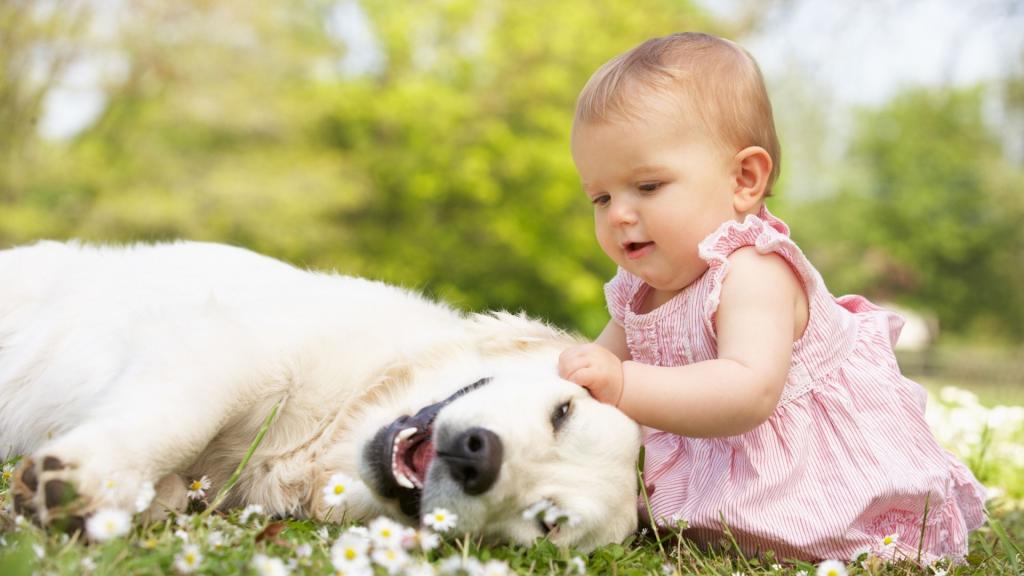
{"x":401,"y":478}
{"x":404,"y":481}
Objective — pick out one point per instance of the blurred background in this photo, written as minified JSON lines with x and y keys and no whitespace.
{"x":426,"y":144}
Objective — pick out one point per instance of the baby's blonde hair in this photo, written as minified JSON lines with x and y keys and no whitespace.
{"x":713,"y":77}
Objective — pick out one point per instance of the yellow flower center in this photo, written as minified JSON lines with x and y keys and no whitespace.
{"x":833,"y":572}
{"x":196,"y":485}
{"x":190,"y":559}
{"x":339,"y":489}
{"x":350,"y":554}
{"x":7,"y":474}
{"x":888,"y":540}
{"x":110,"y":526}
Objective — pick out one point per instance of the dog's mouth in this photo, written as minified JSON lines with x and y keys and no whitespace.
{"x":398,"y":458}
{"x":411,"y":454}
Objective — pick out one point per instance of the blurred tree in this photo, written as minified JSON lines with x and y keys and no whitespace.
{"x":929,"y":215}
{"x":464,"y":137}
{"x":445,"y":170}
{"x":38,"y":44}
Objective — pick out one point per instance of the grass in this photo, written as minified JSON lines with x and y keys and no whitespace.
{"x":229,"y":543}
{"x":306,"y":547}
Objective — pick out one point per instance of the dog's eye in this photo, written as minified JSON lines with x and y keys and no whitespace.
{"x":561,"y":414}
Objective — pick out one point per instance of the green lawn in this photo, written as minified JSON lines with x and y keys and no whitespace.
{"x":225,"y":544}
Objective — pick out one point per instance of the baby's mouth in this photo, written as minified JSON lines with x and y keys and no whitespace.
{"x":637,"y":249}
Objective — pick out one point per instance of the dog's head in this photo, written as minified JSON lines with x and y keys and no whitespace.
{"x":514,"y":451}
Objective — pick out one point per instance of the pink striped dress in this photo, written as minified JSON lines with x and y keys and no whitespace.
{"x":845,"y":460}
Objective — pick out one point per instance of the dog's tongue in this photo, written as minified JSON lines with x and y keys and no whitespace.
{"x":422,"y":455}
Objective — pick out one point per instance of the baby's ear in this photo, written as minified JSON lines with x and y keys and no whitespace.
{"x":753,"y":168}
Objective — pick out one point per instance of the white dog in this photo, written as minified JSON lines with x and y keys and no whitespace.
{"x":121,"y":367}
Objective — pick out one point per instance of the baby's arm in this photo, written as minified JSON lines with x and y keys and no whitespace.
{"x":757,"y":322}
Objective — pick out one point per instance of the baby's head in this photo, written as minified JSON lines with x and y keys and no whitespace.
{"x":671,"y":140}
{"x":694,"y":77}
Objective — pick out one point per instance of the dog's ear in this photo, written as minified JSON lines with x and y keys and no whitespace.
{"x":500,"y":333}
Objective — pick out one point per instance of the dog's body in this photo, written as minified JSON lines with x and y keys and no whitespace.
{"x":122,"y":366}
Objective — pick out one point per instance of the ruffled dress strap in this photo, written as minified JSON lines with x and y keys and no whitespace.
{"x":767,"y":234}
{"x":619,"y":293}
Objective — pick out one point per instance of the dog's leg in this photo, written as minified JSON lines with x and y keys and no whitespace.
{"x":139,"y":436}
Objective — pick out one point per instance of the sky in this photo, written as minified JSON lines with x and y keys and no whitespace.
{"x":866,"y":51}
{"x":862,"y":52}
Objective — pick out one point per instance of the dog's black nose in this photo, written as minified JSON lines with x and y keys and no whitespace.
{"x":473,"y":459}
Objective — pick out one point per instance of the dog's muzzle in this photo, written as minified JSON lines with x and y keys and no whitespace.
{"x":401,"y":453}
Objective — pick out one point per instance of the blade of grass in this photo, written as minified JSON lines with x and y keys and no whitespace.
{"x":1010,"y":549}
{"x":647,"y":502}
{"x":924,"y":524}
{"x":223,"y":492}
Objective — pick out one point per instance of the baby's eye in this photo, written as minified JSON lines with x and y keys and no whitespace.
{"x":601,"y":200}
{"x":648,"y":186}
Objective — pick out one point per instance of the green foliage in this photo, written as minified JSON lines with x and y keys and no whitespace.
{"x":447,"y":169}
{"x":929,"y":215}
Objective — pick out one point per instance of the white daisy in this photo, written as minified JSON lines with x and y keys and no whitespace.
{"x":831,"y":568}
{"x":197,"y":488}
{"x":108,"y":523}
{"x":88,"y":564}
{"x":889,"y":541}
{"x":350,"y":552}
{"x":215,"y":539}
{"x":109,"y":487}
{"x":456,"y":564}
{"x":304,"y":550}
{"x":556,"y":515}
{"x":391,"y":559}
{"x":250,"y":510}
{"x":441,"y":519}
{"x":861,"y":554}
{"x":188,"y":560}
{"x":269,"y":565}
{"x":39,"y":551}
{"x":360,"y":570}
{"x":427,"y":540}
{"x":420,"y":569}
{"x":495,"y":568}
{"x":7,"y":472}
{"x":536,"y":508}
{"x":578,"y":564}
{"x":182,"y":534}
{"x":337,"y":489}
{"x":145,"y":496}
{"x":386,"y":533}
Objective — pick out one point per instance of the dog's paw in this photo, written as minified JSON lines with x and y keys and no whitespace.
{"x":44,"y":490}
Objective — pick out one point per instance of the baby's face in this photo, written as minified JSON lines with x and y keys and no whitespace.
{"x":659,"y":185}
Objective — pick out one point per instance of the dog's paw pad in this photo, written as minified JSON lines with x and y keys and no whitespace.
{"x":24,"y":486}
{"x":59,"y":493}
{"x":42,"y":491}
{"x":51,"y":463}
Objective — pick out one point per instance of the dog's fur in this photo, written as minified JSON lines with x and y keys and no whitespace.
{"x":126,"y":365}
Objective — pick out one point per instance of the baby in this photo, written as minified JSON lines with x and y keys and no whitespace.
{"x":773,"y":409}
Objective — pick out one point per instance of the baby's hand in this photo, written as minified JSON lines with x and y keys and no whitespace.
{"x":595,"y":368}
